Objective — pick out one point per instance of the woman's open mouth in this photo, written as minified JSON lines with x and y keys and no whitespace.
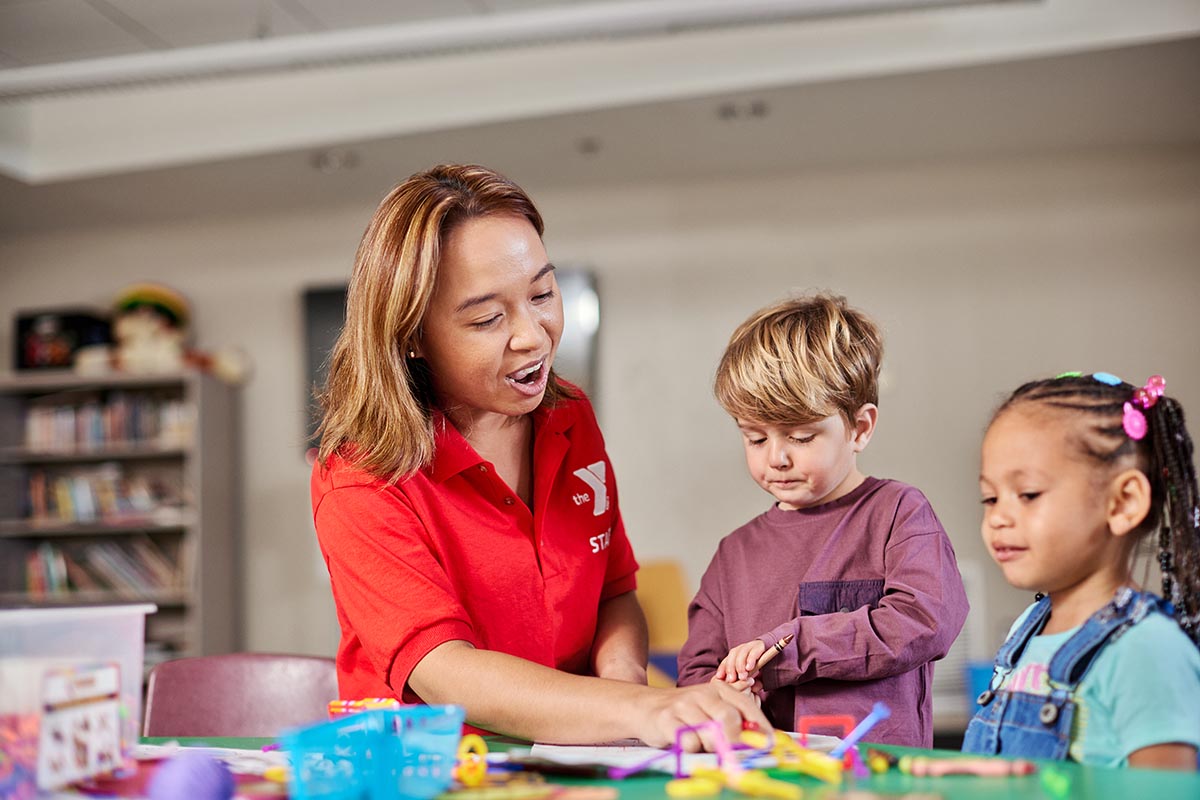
{"x":530,"y":380}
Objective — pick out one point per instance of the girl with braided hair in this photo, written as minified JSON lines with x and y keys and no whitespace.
{"x":1075,"y":471}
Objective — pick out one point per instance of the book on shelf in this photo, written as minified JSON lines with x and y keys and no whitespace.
{"x":38,"y":506}
{"x":150,"y":556}
{"x":35,"y":576}
{"x":79,"y":578}
{"x":97,"y":494}
{"x":121,"y":570}
{"x":104,"y":484}
{"x":134,"y":569}
{"x":46,"y":572}
{"x":120,"y":419}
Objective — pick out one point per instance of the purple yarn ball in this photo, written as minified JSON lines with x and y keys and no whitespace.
{"x":194,"y":775}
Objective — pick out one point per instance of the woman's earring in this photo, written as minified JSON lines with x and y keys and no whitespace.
{"x":412,"y":353}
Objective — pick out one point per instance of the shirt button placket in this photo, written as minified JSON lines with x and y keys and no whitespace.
{"x":509,"y":500}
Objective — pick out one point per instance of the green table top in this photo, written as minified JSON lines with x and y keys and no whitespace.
{"x":1103,"y":783}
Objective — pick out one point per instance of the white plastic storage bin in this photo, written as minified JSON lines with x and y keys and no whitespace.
{"x":70,"y":692}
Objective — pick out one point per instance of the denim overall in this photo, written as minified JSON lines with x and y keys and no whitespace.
{"x":1027,"y":725}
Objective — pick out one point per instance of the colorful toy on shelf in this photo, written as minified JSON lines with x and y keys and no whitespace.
{"x":150,"y":325}
{"x":150,"y":334}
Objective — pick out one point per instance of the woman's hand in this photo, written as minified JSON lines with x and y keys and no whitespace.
{"x":741,"y":663}
{"x":716,"y":701}
{"x":543,"y":704}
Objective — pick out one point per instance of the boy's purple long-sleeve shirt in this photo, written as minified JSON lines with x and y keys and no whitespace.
{"x":869,"y":587}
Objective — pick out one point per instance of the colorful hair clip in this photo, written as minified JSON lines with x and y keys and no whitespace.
{"x":1062,"y":375}
{"x":1148,"y":395}
{"x":1133,"y":420}
{"x":1106,"y":377}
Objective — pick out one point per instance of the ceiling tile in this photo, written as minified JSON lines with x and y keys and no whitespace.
{"x":48,"y":31}
{"x":187,"y":23}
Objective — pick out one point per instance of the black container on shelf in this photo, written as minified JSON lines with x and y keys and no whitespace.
{"x":49,"y":339}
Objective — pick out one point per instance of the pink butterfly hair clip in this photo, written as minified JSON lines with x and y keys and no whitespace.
{"x":1134,"y":420}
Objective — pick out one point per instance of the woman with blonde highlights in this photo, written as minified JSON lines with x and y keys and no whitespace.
{"x":463,"y":498}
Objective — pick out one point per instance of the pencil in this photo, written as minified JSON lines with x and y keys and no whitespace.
{"x":773,"y":651}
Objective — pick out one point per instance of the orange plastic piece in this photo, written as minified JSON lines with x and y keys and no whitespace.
{"x":846,"y":722}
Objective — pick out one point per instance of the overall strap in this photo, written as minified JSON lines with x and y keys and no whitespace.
{"x":1073,"y":660}
{"x":1012,"y":648}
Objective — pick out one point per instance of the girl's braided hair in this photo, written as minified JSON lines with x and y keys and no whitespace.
{"x":1164,"y":454}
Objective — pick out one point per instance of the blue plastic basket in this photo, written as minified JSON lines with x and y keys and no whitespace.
{"x":405,"y":754}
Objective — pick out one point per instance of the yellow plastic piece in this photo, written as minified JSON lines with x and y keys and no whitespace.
{"x":821,"y":766}
{"x":785,"y":749}
{"x":276,"y":773}
{"x":709,"y":773}
{"x":756,"y":739}
{"x":471,"y":770}
{"x":757,"y":784}
{"x":877,"y":764}
{"x":794,"y":758}
{"x":693,"y":787}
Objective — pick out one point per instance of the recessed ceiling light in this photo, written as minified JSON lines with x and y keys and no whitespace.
{"x":743,"y":109}
{"x":334,"y":159}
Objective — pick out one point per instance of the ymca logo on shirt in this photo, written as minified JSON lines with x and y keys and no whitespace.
{"x":594,"y":476}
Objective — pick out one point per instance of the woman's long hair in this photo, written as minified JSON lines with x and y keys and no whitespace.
{"x":377,"y":400}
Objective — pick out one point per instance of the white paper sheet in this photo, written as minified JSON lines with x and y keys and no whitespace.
{"x":244,"y":762}
{"x":628,"y":755}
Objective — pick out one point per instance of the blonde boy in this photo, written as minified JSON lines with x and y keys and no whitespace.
{"x":857,"y":569}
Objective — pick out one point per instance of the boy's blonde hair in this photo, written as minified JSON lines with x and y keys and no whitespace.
{"x":799,"y":361}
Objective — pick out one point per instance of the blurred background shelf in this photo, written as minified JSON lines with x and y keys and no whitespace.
{"x":124,"y":488}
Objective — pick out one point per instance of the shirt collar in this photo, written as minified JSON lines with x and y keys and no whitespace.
{"x":452,"y":453}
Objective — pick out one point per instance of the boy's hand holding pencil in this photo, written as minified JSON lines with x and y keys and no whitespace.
{"x":744,"y":662}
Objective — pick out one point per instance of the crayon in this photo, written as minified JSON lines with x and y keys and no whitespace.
{"x":773,"y":651}
{"x":980,"y":767}
{"x":880,"y":761}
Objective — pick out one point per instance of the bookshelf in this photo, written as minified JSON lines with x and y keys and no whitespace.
{"x":123,"y":488}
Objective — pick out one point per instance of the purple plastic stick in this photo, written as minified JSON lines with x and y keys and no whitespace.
{"x":619,"y":773}
{"x":879,"y":712}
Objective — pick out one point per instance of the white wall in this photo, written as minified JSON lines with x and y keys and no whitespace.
{"x":983,"y":274}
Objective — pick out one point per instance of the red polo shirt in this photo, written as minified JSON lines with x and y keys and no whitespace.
{"x":451,"y":552}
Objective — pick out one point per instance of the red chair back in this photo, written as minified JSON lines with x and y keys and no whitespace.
{"x":240,"y":694}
